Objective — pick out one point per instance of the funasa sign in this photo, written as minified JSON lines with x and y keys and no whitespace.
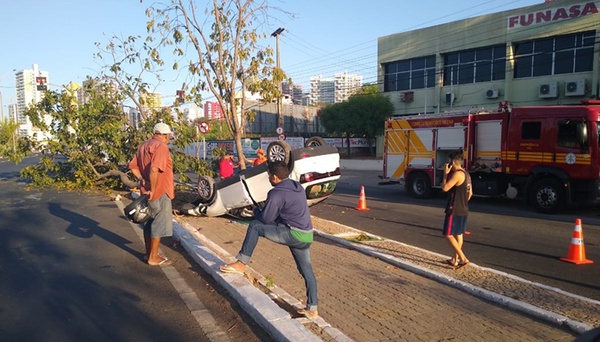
{"x":553,"y":14}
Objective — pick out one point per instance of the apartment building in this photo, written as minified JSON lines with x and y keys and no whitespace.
{"x":333,"y":90}
{"x":346,"y":85}
{"x":30,"y":86}
{"x":213,"y":110}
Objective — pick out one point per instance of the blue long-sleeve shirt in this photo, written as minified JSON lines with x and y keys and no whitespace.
{"x":286,"y":203}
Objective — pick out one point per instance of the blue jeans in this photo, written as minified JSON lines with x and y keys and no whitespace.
{"x":280,"y":233}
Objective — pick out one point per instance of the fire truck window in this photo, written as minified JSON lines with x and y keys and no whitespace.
{"x":531,"y":130}
{"x":598,"y":132}
{"x":567,"y":134}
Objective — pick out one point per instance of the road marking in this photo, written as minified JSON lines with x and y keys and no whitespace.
{"x":205,"y":319}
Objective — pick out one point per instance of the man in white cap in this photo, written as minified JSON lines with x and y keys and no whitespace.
{"x":153,"y":166}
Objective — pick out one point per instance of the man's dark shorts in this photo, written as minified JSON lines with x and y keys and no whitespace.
{"x":454,"y":225}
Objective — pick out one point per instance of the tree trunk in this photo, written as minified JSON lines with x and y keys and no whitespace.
{"x":123,"y":176}
{"x":348,"y":143}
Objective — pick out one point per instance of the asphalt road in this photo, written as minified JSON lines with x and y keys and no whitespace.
{"x":504,"y":235}
{"x":71,"y":269}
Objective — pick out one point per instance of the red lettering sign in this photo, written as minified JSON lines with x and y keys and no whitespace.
{"x":553,"y":15}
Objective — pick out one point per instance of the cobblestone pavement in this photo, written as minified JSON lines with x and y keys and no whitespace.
{"x":388,"y":291}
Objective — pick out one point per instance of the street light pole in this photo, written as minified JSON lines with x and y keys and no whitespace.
{"x":276,"y":35}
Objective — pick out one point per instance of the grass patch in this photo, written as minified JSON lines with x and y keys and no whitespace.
{"x":362,"y":237}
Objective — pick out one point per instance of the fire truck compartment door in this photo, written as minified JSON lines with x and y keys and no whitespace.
{"x":451,"y":138}
{"x":488,"y":142}
{"x":408,"y":148}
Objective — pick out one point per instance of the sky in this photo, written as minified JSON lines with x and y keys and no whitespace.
{"x":321,"y":37}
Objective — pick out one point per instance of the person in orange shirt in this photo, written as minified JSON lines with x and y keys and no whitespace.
{"x":260,"y":157}
{"x":153,"y":167}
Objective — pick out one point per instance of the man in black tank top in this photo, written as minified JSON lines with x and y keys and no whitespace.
{"x":457,"y":182}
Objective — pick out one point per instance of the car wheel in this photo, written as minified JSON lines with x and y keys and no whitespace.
{"x":547,"y":196}
{"x":278,"y":151}
{"x":206,"y":189}
{"x":315,"y":141}
{"x":419,"y":185}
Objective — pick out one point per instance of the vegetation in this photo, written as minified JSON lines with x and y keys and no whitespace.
{"x":12,"y":146}
{"x":363,"y":115}
{"x":93,"y":141}
{"x":226,"y":61}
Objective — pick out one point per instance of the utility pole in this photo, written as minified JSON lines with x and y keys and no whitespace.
{"x":276,"y":35}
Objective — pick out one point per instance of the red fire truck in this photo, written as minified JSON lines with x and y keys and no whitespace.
{"x":546,"y":155}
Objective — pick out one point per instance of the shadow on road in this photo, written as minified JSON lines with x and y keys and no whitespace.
{"x":85,"y":228}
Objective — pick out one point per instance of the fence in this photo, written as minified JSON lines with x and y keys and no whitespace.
{"x":250,"y":146}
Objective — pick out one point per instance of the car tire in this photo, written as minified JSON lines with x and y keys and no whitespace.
{"x":315,"y":141}
{"x":278,"y":151}
{"x":206,"y":189}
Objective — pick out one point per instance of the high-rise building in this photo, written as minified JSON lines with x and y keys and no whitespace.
{"x":213,"y":110}
{"x":333,"y":90}
{"x":293,"y":90}
{"x":346,"y":85}
{"x":321,"y":90}
{"x":30,"y":86}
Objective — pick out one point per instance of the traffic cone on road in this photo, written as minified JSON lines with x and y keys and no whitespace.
{"x":577,"y":249}
{"x":362,"y":200}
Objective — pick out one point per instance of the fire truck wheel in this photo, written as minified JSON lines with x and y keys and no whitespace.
{"x":548,"y":196}
{"x":419,"y":185}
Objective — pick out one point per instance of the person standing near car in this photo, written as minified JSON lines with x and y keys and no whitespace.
{"x":284,"y":219}
{"x":459,"y":188}
{"x":226,"y":165}
{"x":153,"y":166}
{"x":260,"y":157}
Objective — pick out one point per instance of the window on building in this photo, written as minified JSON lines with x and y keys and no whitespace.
{"x":555,"y":55}
{"x":473,"y":66}
{"x":531,"y":130}
{"x":416,"y":73}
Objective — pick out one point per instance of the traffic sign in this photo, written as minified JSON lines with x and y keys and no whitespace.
{"x":204,"y":127}
{"x":281,"y":136}
{"x":279,"y":130}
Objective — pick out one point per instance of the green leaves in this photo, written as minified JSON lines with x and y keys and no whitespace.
{"x":363,"y":115}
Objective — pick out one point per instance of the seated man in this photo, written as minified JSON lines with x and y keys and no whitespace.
{"x":285,"y":219}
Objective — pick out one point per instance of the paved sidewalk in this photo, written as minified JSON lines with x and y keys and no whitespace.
{"x":387,"y":291}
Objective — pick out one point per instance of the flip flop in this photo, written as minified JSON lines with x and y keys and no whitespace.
{"x":230,"y":269}
{"x":461,"y":265}
{"x":308,"y":313}
{"x":164,"y":262}
{"x":451,"y":263}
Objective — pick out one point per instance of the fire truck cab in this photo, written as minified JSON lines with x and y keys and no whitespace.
{"x":546,"y":155}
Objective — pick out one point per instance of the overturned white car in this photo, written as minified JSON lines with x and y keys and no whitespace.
{"x":316,"y":166}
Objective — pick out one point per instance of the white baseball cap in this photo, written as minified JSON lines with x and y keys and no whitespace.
{"x":162,"y":128}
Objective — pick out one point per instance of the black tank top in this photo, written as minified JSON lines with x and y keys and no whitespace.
{"x":458,"y":198}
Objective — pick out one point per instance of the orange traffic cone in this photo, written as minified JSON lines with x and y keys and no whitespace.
{"x":577,"y":249}
{"x":362,"y":200}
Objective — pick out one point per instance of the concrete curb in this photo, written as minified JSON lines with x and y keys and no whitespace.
{"x":276,"y":321}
